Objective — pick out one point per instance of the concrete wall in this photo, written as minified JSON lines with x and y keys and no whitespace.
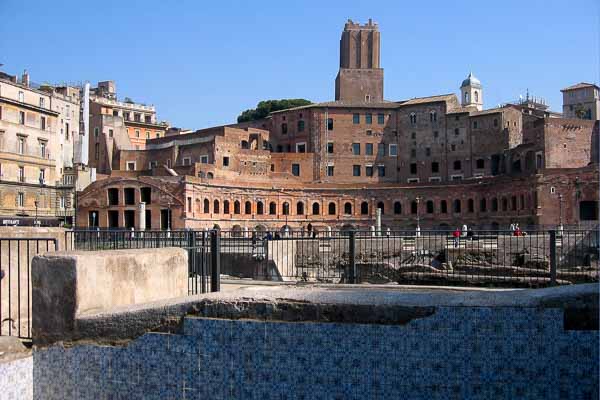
{"x":68,"y":285}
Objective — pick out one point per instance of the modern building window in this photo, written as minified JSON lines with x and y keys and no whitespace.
{"x":356,"y":149}
{"x":272,"y":208}
{"x":369,"y":118}
{"x":457,"y":165}
{"x":413,"y":168}
{"x":329,"y":124}
{"x":364,"y":208}
{"x":315,"y":209}
{"x":300,"y":126}
{"x":247,"y":207}
{"x":330,"y":170}
{"x":348,"y":208}
{"x":296,"y":169}
{"x":369,"y":149}
{"x":381,"y":149}
{"x":397,"y":208}
{"x":356,"y":170}
{"x":22,"y":117}
{"x":381,"y":170}
{"x":20,"y":199}
{"x":330,"y":147}
{"x":480,"y":163}
{"x":226,"y":161}
{"x":284,"y":128}
{"x":299,"y":208}
{"x":393,"y":150}
{"x":331,"y":208}
{"x":356,"y":118}
{"x":369,"y":170}
{"x":380,"y":119}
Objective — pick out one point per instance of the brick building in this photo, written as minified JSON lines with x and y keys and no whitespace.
{"x":440,"y":160}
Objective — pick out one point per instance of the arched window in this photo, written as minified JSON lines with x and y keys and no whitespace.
{"x":429,"y":207}
{"x":482,"y":205}
{"x":206,"y":206}
{"x":413,"y":118}
{"x":315,"y":209}
{"x":432,"y":116}
{"x":272,"y":208}
{"x":364,"y":208}
{"x":226,"y":207}
{"x":300,"y":208}
{"x":494,"y":204}
{"x":456,"y":207}
{"x":397,"y":207}
{"x":248,"y":208}
{"x":210,"y":175}
{"x":414,"y":207}
{"x":260,"y":208}
{"x":348,"y":208}
{"x":504,"y":204}
{"x":381,"y":206}
{"x":471,"y":205}
{"x":216,"y":206}
{"x":476,"y":96}
{"x":443,"y":207}
{"x":466,"y":97}
{"x":286,"y":208}
{"x":236,"y":207}
{"x":457,"y":165}
{"x":332,"y":208}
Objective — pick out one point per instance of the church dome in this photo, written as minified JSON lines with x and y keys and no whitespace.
{"x":471,"y":81}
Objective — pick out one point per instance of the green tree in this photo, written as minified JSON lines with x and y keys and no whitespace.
{"x":266,"y":107}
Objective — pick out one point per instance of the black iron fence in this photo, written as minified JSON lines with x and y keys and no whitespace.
{"x":483,"y":258}
{"x":15,"y":282}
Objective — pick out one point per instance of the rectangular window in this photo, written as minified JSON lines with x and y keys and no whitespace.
{"x":369,"y":170}
{"x":137,"y":133}
{"x":284,"y":128}
{"x":42,"y":177}
{"x":126,"y":115}
{"x":393,"y":150}
{"x":369,"y":118}
{"x":226,"y":161}
{"x":356,"y":170}
{"x":356,"y":149}
{"x":296,"y":169}
{"x":96,"y":131}
{"x":97,"y":151}
{"x":169,"y":162}
{"x":147,"y":134}
{"x":300,"y":126}
{"x":187,"y":161}
{"x":110,"y":133}
{"x":61,"y":203}
{"x":427,"y":151}
{"x":42,"y":102}
{"x":153,"y":164}
{"x":130,"y":165}
{"x":21,"y":199}
{"x":435,"y":167}
{"x":330,"y":170}
{"x":43,"y":123}
{"x":0,"y":113}
{"x":22,"y":117}
{"x":330,"y":147}
{"x":356,"y":118}
{"x":204,"y":159}
{"x":67,"y":128}
{"x":43,"y":149}
{"x":21,"y":97}
{"x":381,"y":170}
{"x":330,"y":124}
{"x":380,"y":119}
{"x":413,"y":153}
{"x":300,"y":147}
{"x":413,"y":168}
{"x":369,"y":149}
{"x":21,"y":173}
{"x":381,"y":149}
{"x":21,"y":145}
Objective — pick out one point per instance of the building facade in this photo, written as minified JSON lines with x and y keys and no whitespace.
{"x":581,"y":101}
{"x":436,"y":161}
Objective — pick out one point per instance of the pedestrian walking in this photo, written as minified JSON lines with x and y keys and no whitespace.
{"x":456,"y":235}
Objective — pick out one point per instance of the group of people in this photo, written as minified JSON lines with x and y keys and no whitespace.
{"x":516,"y":230}
{"x":464,"y":231}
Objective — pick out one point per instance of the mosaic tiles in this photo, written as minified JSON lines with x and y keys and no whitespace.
{"x":15,"y":379}
{"x":458,"y":353}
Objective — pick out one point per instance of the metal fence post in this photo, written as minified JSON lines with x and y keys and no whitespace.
{"x":553,"y":257}
{"x":352,"y":251}
{"x":215,"y":256}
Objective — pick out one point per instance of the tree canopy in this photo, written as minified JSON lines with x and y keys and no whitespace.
{"x":265,"y":107}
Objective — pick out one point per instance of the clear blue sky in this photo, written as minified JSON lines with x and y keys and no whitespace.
{"x":203,"y":62}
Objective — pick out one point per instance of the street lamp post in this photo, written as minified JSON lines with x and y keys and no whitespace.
{"x":418,"y":200}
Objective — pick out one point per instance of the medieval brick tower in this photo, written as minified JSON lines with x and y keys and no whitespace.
{"x":360,"y":78}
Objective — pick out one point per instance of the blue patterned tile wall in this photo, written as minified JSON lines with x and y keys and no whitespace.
{"x":458,"y":353}
{"x":16,"y":379}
